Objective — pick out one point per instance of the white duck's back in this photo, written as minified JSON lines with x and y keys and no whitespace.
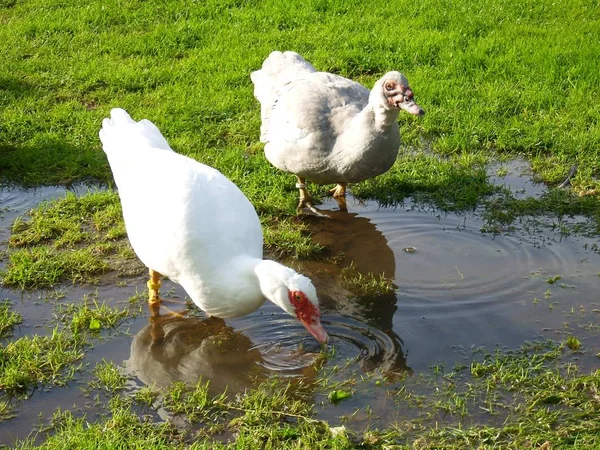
{"x":184,"y":219}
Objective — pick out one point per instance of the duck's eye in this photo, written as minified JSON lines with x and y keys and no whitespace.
{"x":297,"y":296}
{"x":389,"y":87}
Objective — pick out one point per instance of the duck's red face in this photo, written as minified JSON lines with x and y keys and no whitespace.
{"x":401,"y":97}
{"x":308,"y":314}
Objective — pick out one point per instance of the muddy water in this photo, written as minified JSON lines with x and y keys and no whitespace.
{"x":457,"y":289}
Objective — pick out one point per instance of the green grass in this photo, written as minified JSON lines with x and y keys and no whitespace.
{"x":108,"y":377}
{"x":289,"y":237}
{"x":53,"y":360}
{"x":31,"y":360}
{"x":73,"y":239}
{"x":365,"y":285}
{"x":77,"y":239}
{"x":90,"y":316}
{"x":502,"y":399}
{"x":41,"y":267}
{"x":8,"y":319}
{"x":498,"y":78}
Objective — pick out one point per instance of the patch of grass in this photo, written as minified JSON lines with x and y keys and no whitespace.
{"x":90,"y":316}
{"x":42,"y":267}
{"x":194,"y":402}
{"x":73,"y":239}
{"x":72,"y":216}
{"x":108,"y":377}
{"x":29,"y":361}
{"x":532,"y":392}
{"x":145,"y":396}
{"x":123,"y":429}
{"x":457,"y":182}
{"x":289,"y":237}
{"x":365,"y":285}
{"x":8,"y":319}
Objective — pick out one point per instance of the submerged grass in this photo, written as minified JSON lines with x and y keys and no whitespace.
{"x":8,"y":319}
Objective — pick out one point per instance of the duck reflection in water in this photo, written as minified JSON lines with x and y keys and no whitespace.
{"x":355,"y":241}
{"x":176,"y":348}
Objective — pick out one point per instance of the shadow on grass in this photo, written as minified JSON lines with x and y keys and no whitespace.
{"x":446,"y":184}
{"x":52,"y":162}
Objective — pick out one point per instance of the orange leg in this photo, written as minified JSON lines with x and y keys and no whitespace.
{"x":154,"y":300}
{"x":339,"y":190}
{"x":306,"y":200}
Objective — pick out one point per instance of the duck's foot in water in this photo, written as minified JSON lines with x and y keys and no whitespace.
{"x":305,"y":206}
{"x":155,"y":306}
{"x":155,"y":302}
{"x":339,"y":194}
{"x":338,"y":191}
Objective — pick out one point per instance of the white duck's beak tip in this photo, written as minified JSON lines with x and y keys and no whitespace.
{"x":317,"y":331}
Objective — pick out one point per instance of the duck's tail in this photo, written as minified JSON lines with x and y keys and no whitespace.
{"x":120,"y":133}
{"x":277,"y":70}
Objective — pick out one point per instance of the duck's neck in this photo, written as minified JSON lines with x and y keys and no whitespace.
{"x":274,"y":279}
{"x":382,"y":117}
{"x":241,"y":286}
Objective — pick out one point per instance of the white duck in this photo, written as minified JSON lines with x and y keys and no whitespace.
{"x":188,"y":222}
{"x":326,"y":128}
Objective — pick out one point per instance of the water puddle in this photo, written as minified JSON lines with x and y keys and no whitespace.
{"x":456,"y":289}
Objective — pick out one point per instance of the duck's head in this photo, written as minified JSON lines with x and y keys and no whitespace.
{"x":294,"y":293}
{"x":305,"y":306}
{"x":393,"y":91}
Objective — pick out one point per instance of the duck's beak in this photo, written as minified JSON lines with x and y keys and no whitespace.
{"x":412,"y":108}
{"x":314,"y":327}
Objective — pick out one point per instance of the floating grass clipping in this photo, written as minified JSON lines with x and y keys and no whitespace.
{"x":28,"y":361}
{"x":8,"y":319}
{"x":368,"y":285}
